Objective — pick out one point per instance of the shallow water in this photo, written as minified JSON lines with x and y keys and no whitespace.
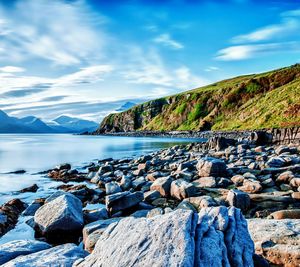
{"x":35,"y":153}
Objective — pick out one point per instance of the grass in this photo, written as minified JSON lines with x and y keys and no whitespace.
{"x":267,"y":100}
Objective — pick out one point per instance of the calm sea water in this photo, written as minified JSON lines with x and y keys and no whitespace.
{"x":35,"y":153}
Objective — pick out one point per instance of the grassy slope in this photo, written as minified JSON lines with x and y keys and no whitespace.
{"x":267,"y":100}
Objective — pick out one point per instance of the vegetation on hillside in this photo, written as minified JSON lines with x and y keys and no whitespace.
{"x":267,"y":100}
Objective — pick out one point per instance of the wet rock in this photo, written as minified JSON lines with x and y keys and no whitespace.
{"x":9,"y":214}
{"x":151,"y":196}
{"x":32,"y":189}
{"x":295,"y":183}
{"x":278,"y":241}
{"x":276,"y":162}
{"x":162,"y":185}
{"x":238,"y":199}
{"x":13,"y":249}
{"x":285,"y":214}
{"x":18,"y":172}
{"x":60,"y":220}
{"x":122,"y":201}
{"x":95,"y":215}
{"x":126,"y":183}
{"x":32,"y":208}
{"x":63,"y":255}
{"x":211,"y":167}
{"x":112,"y":188}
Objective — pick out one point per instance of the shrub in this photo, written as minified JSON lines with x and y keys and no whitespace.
{"x":197,"y":112}
{"x":180,"y":109}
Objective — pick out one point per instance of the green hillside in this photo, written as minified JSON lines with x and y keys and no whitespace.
{"x":267,"y":100}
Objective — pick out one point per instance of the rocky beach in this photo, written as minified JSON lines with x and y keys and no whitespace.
{"x":224,"y":202}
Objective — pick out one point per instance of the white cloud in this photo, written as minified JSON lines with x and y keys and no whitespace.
{"x":211,"y":68}
{"x":63,"y":33}
{"x":242,"y":52}
{"x":166,"y":40}
{"x":11,"y":69}
{"x":271,"y":31}
{"x":89,"y":74}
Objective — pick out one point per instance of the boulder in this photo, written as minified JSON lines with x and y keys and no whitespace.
{"x":92,"y":232}
{"x":112,"y":188}
{"x":217,"y":237}
{"x":151,"y":195}
{"x":211,"y":167}
{"x":162,"y":185}
{"x":285,"y":177}
{"x":277,"y":240}
{"x":13,"y":249}
{"x":182,"y":189}
{"x":95,"y":215}
{"x":222,"y":238}
{"x":9,"y":214}
{"x":63,"y":255}
{"x":122,"y":201}
{"x":285,"y":214}
{"x":146,"y":242}
{"x":238,"y":199}
{"x":60,"y":220}
{"x":250,"y":186}
{"x":205,"y":182}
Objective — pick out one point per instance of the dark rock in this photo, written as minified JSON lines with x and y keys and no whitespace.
{"x":32,"y":188}
{"x":122,"y":201}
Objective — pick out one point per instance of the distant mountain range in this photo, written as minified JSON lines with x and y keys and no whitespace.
{"x":31,"y":124}
{"x":126,"y":106}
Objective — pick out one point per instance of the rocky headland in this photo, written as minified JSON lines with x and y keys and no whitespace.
{"x":224,"y":202}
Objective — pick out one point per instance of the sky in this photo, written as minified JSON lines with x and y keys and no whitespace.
{"x":86,"y":58}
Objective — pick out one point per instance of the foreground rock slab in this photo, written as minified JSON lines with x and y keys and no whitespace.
{"x":60,"y":220}
{"x":278,"y":241}
{"x":63,"y":255}
{"x":218,"y":236}
{"x":13,"y":249}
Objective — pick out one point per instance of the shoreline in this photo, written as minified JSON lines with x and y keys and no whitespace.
{"x":266,"y":136}
{"x":259,"y":180}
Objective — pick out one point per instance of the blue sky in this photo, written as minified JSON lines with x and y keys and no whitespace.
{"x":86,"y":58}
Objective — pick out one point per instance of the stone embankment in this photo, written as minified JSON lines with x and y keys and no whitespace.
{"x":267,"y":136}
{"x":225,"y":202}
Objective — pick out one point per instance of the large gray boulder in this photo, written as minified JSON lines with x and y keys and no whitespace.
{"x":166,"y":240}
{"x":63,"y":255}
{"x":277,"y":240}
{"x":211,"y":167}
{"x":222,"y":238}
{"x":13,"y":249}
{"x":218,"y":236}
{"x":122,"y":201}
{"x":60,"y":220}
{"x":92,"y":232}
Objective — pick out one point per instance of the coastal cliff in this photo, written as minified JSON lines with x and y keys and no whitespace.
{"x":258,"y":101}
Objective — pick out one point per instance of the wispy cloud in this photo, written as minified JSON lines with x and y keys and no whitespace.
{"x":274,"y":38}
{"x":286,"y":27}
{"x":241,"y":52}
{"x":12,"y":69}
{"x":62,"y":32}
{"x":166,"y":40}
{"x":211,"y":68}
